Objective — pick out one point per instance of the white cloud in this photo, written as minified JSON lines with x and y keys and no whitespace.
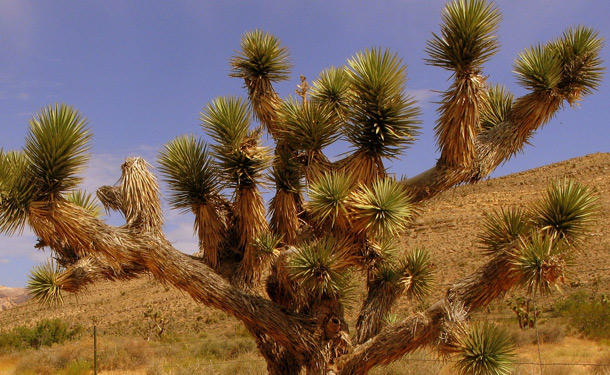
{"x":423,"y":96}
{"x":3,"y":260}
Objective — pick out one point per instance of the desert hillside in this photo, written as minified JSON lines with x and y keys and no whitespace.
{"x":448,"y":227}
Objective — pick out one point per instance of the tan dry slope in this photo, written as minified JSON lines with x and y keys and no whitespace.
{"x":448,"y":227}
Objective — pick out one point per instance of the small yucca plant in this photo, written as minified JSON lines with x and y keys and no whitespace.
{"x":329,"y":200}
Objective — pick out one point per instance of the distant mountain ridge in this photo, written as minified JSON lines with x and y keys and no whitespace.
{"x":10,"y":297}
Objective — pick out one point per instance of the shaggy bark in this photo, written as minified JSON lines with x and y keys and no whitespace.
{"x":493,"y":147}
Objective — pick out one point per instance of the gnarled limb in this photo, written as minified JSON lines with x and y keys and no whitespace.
{"x":492,"y":147}
{"x":90,"y":236}
{"x":428,"y":328}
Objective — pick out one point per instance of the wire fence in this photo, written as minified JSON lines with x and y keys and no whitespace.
{"x":521,"y":367}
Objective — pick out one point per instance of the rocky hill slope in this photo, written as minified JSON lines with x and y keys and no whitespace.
{"x":10,"y":297}
{"x":448,"y":227}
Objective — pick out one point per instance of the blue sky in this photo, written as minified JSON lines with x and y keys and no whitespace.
{"x":142,"y":71}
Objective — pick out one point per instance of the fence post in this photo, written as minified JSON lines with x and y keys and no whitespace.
{"x":95,"y":350}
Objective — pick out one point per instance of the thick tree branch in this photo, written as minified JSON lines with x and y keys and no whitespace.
{"x":428,"y":329}
{"x":492,"y":147}
{"x":90,"y":236}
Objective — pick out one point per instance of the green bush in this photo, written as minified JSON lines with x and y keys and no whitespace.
{"x":587,"y":314}
{"x":46,"y":333}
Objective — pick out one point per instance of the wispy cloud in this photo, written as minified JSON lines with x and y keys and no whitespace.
{"x":424,"y":97}
{"x":3,"y":260}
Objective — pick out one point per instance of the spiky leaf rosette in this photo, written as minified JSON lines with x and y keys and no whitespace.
{"x":16,"y":191}
{"x":307,"y":127}
{"x":484,"y":349}
{"x":57,"y":146}
{"x":43,"y":284}
{"x":238,"y":150}
{"x":189,"y":172}
{"x":86,"y":201}
{"x":382,"y":209}
{"x":566,"y":210}
{"x":419,"y":270}
{"x":328,"y":200}
{"x":541,"y":263}
{"x":467,"y":38}
{"x":333,"y":90}
{"x":497,"y":104}
{"x":261,"y":61}
{"x":383,"y":120}
{"x":502,"y":228}
{"x":538,"y":68}
{"x":578,"y":51}
{"x":320,"y":268}
{"x":194,"y":185}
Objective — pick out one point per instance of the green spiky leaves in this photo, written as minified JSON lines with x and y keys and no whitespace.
{"x":566,"y":211}
{"x":261,"y":56}
{"x":538,"y":68}
{"x":57,"y":148}
{"x":333,"y":89}
{"x":43,"y":285}
{"x":382,"y":209}
{"x":329,"y":200}
{"x":503,"y":228}
{"x":306,"y":126}
{"x":189,"y":172}
{"x":238,"y":150}
{"x":86,"y":201}
{"x":383,"y":120}
{"x":497,"y":104}
{"x":484,"y":349}
{"x":467,"y":38}
{"x":570,"y":66}
{"x":541,"y":262}
{"x":420,"y":270}
{"x":16,"y":191}
{"x":321,"y":268}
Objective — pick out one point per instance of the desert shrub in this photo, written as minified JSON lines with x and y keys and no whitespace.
{"x":125,"y":355}
{"x":603,"y":366}
{"x":79,"y":367}
{"x":225,"y":349}
{"x":551,"y":333}
{"x":46,"y":333}
{"x":587,"y":314}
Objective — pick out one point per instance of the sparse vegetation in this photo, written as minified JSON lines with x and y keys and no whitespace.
{"x":587,"y":314}
{"x":44,"y":333}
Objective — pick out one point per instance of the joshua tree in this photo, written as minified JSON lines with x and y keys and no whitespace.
{"x":288,"y":278}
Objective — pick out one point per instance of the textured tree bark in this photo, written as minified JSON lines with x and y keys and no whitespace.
{"x":492,"y":147}
{"x":434,"y":326}
{"x":88,"y":235}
